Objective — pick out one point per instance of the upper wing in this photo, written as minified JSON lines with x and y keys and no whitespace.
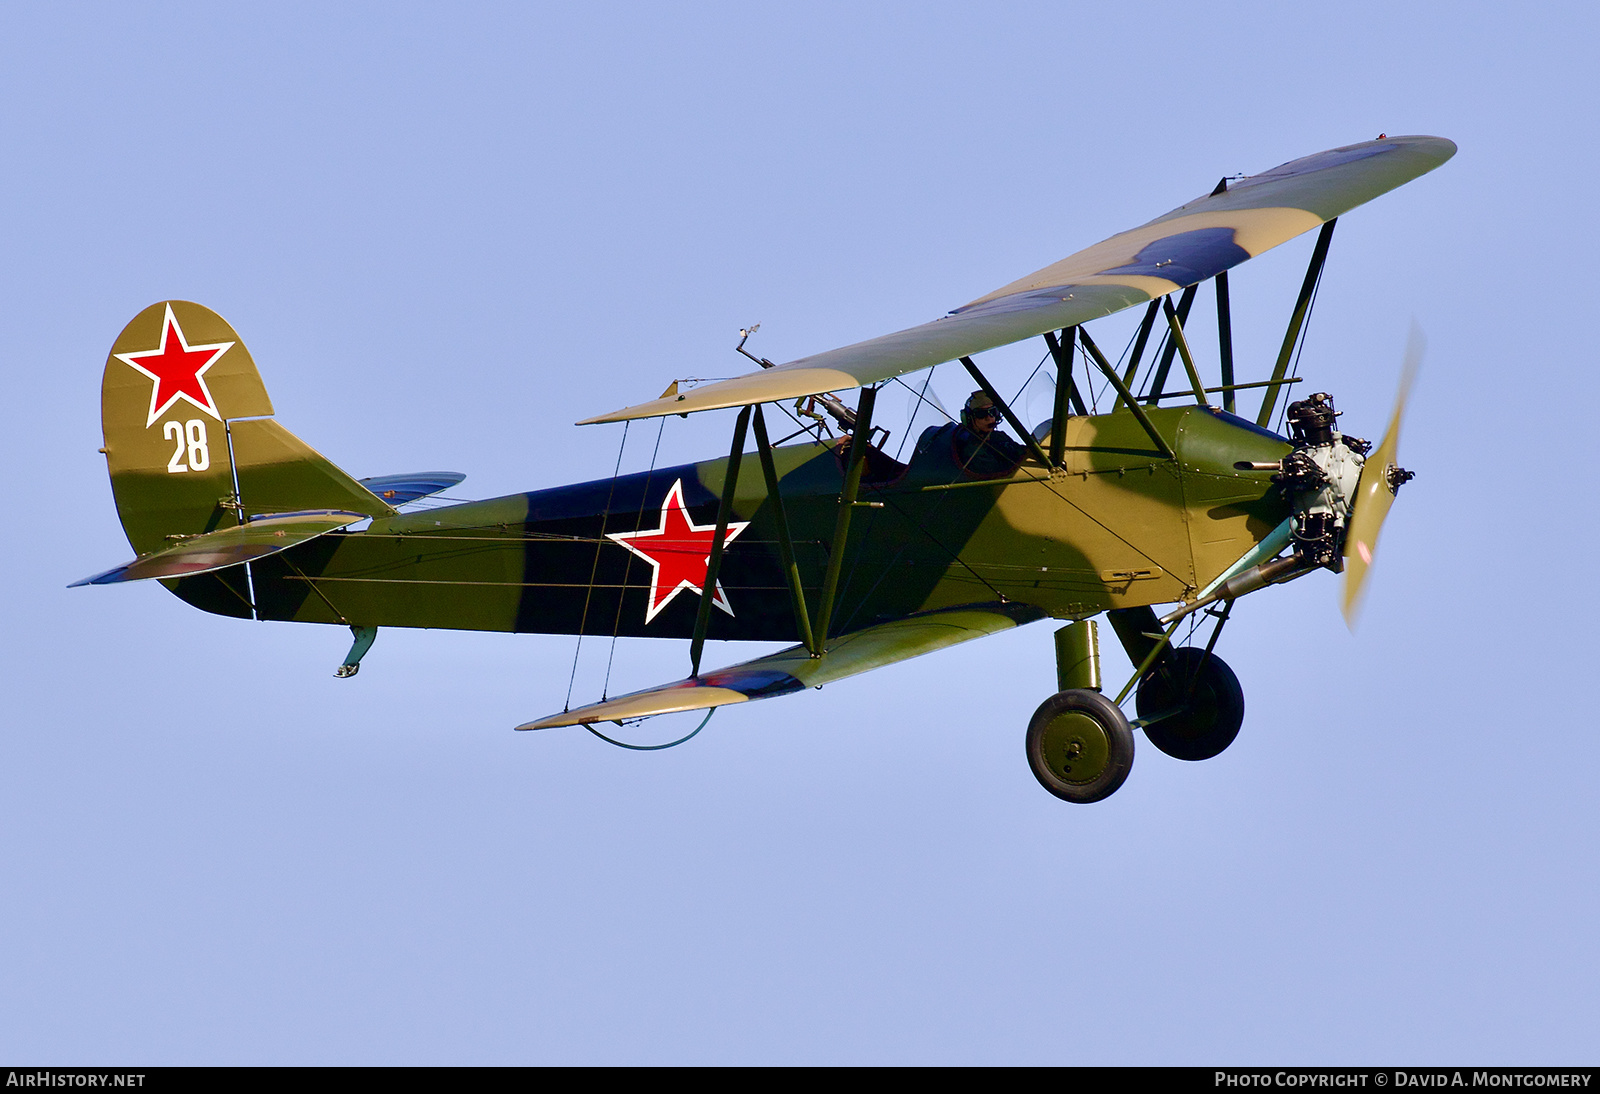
{"x":1188,"y":245}
{"x":793,"y":669}
{"x":228,"y":546}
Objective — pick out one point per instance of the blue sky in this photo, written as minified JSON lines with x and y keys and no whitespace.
{"x":447,"y":233}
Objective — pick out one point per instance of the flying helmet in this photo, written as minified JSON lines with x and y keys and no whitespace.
{"x":979,"y":405}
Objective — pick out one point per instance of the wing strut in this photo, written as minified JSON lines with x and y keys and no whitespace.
{"x":797,"y":591}
{"x":1016,"y":423}
{"x":1185,"y":302}
{"x":1126,"y":395}
{"x":708,"y":591}
{"x":1225,"y":340}
{"x":1065,"y":387}
{"x":1308,"y":288}
{"x":1145,"y":326}
{"x":859,"y":442}
{"x":1182,"y":343}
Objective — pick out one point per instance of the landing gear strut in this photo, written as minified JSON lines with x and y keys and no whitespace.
{"x":1079,"y":744}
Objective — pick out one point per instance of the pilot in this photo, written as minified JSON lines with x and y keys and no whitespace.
{"x":982,"y":447}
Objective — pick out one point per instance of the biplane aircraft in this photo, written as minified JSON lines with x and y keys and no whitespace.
{"x":1174,"y":496}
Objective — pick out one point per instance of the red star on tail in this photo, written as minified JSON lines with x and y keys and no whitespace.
{"x":178,"y":370}
{"x":678,"y":552}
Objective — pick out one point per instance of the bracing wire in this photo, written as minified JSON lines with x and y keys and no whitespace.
{"x":622,"y":592}
{"x":594,"y":568}
{"x":1305,"y":332}
{"x":1017,"y":398}
{"x":919,"y":527}
{"x":922,"y":396}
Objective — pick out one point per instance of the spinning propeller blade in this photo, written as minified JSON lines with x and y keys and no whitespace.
{"x":1380,"y":479}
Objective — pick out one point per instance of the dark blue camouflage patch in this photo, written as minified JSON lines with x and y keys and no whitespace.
{"x":753,"y":682}
{"x":1186,"y":258}
{"x":1321,"y":161}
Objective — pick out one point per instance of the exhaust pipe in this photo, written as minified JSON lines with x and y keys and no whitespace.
{"x":1275,"y":572}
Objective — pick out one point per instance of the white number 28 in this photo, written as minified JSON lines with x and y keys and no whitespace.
{"x":190,"y":440}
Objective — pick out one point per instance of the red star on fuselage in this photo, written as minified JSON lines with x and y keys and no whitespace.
{"x":678,"y":551}
{"x":178,"y":370}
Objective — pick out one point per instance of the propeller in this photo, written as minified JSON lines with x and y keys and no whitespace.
{"x":1380,"y":479}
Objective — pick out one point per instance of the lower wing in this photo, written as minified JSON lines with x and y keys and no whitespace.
{"x":793,"y":669}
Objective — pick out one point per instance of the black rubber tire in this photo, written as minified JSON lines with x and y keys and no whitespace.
{"x":1080,"y":746}
{"x":1214,"y":711}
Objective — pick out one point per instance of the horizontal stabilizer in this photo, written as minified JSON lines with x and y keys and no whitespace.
{"x":793,"y":669}
{"x":228,"y":547}
{"x":399,"y":489}
{"x":1192,"y":243}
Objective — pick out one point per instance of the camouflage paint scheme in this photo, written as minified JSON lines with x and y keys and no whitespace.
{"x":934,"y":555}
{"x":1118,"y":526}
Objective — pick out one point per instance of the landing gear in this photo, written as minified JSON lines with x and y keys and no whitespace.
{"x":1080,"y":746}
{"x":1205,"y":701}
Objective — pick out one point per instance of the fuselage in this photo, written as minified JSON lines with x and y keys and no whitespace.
{"x":1118,"y":526}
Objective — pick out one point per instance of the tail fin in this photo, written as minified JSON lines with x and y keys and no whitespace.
{"x":177,"y":383}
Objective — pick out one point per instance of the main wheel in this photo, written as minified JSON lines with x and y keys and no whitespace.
{"x":1080,"y":746}
{"x":1209,"y":699}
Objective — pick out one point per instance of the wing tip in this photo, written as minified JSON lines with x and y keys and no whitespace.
{"x":673,"y":698}
{"x":104,"y":577}
{"x":552,"y":721}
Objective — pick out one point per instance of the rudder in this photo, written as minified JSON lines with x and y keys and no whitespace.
{"x":177,"y":382}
